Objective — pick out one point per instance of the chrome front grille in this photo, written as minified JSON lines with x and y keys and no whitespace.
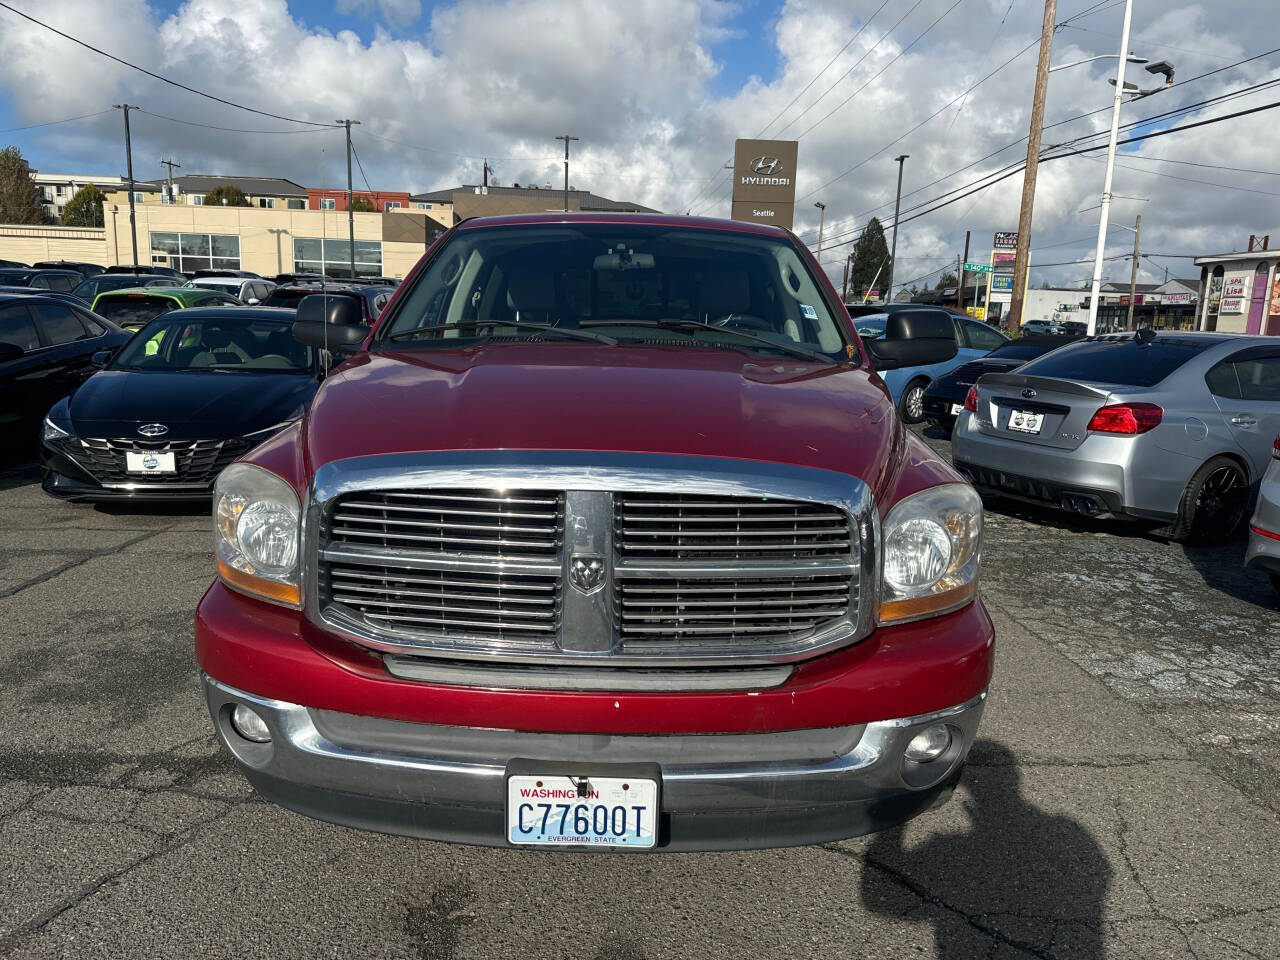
{"x":687,"y":527}
{"x":657,"y":613}
{"x":195,"y":461}
{"x":613,"y":560}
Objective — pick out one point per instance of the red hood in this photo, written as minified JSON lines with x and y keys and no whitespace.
{"x":618,"y":399}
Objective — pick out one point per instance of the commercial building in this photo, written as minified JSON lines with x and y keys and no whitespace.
{"x":454,"y":204}
{"x":1241,"y":292}
{"x":56,"y":189}
{"x":1162,"y":306}
{"x":325,"y":198}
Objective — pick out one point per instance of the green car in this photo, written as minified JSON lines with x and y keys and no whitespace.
{"x":134,"y":307}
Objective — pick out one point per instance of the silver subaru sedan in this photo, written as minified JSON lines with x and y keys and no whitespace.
{"x":1164,"y":426}
{"x":1264,"y":529}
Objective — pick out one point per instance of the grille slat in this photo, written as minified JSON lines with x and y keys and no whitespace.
{"x":195,"y":461}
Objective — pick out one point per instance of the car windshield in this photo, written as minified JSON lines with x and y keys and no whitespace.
{"x":133,"y":310}
{"x":281,"y":297}
{"x":1124,"y":362}
{"x":870,"y":327}
{"x":217,"y":343}
{"x":16,"y":278}
{"x":631,"y":284}
{"x":1023,"y":350}
{"x":101,"y":284}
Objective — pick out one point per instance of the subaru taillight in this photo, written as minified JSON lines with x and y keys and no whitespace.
{"x":971,"y":400}
{"x":1275,"y":448}
{"x":1127,"y":418}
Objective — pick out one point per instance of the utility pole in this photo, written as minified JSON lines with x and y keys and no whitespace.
{"x":1133,"y":270}
{"x":960,"y":277}
{"x":486,"y":171}
{"x":169,"y":178}
{"x":1022,"y":257}
{"x":844,"y":288}
{"x":1111,"y":163}
{"x":351,"y":214}
{"x":128,"y":162}
{"x":897,"y":202}
{"x":566,"y":138}
{"x":822,"y":222}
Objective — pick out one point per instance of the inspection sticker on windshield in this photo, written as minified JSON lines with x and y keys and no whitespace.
{"x":582,"y":811}
{"x":808,"y":311}
{"x":158,"y":462}
{"x":1025,"y":422}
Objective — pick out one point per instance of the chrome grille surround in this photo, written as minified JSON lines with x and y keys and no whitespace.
{"x":590,"y":614}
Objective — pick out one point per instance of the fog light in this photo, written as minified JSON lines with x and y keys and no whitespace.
{"x":251,"y":726}
{"x":929,"y":744}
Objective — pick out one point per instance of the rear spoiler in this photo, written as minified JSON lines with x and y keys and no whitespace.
{"x":1013,"y":381}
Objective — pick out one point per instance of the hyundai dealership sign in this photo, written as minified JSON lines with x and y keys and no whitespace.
{"x":764,"y":181}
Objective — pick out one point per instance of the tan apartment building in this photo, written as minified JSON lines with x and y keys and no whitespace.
{"x":265,"y":193}
{"x":57,"y":189}
{"x":455,"y":204}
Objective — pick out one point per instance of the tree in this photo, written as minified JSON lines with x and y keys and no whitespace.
{"x":870,"y":258}
{"x":20,"y":200}
{"x":84,"y":209}
{"x":946,"y":280}
{"x":226,"y":196}
{"x":362,"y":205}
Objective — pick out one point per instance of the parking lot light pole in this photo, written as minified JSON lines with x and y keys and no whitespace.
{"x":1133,"y":270}
{"x":822,"y":222}
{"x":128,"y":161}
{"x":897,"y":203}
{"x":351,"y":213}
{"x":566,"y":138}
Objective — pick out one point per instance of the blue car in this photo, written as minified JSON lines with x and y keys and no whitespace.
{"x":907,"y":384}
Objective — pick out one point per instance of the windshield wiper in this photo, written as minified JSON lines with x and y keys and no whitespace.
{"x":566,"y":332}
{"x":674,"y":323}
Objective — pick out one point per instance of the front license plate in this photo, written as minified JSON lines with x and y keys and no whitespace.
{"x":150,"y":462}
{"x":548,"y":811}
{"x":1023,"y":421}
{"x":957,"y":409}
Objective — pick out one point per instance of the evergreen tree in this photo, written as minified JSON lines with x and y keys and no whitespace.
{"x":226,"y":196}
{"x":362,"y":205}
{"x":20,"y":200}
{"x":946,"y":280}
{"x":84,"y":209}
{"x":870,"y":256}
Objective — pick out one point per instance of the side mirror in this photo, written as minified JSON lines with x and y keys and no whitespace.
{"x":330,"y":323}
{"x":914,"y":339}
{"x":10,"y":351}
{"x":101,"y":358}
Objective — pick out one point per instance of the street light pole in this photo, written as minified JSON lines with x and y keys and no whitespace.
{"x":822,"y":221}
{"x":351,"y":213}
{"x":128,"y":161}
{"x":1022,"y":256}
{"x":897,"y":203}
{"x":566,"y":138}
{"x":1111,"y":163}
{"x":1133,"y":270}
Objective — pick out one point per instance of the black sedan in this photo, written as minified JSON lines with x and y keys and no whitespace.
{"x":47,"y":348}
{"x":192,"y":391}
{"x":62,"y":281}
{"x":944,"y":398}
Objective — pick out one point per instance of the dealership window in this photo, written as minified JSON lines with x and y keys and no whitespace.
{"x":333,"y":257}
{"x":267,"y":203}
{"x":327,"y":203}
{"x":392,"y":205}
{"x":189,"y":252}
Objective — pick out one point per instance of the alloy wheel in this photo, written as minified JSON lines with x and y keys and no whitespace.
{"x":1220,"y":503}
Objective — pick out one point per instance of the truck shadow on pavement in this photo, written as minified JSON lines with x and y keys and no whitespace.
{"x":1019,"y":877}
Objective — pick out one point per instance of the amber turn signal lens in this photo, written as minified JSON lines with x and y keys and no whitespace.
{"x":287,"y":594}
{"x":915,"y":608}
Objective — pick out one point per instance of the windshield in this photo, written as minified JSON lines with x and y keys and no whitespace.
{"x":215,"y":343}
{"x":280,"y":297}
{"x":870,"y":327}
{"x":1023,"y":350}
{"x":133,"y":310}
{"x":1123,"y":362}
{"x":15,"y":278}
{"x":620,"y":282}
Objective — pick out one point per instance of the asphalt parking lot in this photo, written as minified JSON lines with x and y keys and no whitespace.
{"x":1122,"y":800}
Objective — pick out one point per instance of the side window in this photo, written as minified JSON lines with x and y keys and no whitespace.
{"x":59,"y":323}
{"x":1260,"y":378}
{"x":982,"y":337}
{"x":93,"y":326}
{"x":63,"y":284}
{"x":16,"y":327}
{"x":1222,"y":381}
{"x":40,"y":283}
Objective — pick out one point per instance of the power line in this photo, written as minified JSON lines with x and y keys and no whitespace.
{"x":51,"y":123}
{"x":156,"y":76}
{"x":1207,"y":183}
{"x":210,"y":126}
{"x":360,"y":166}
{"x":458,"y":156}
{"x":1210,"y":166}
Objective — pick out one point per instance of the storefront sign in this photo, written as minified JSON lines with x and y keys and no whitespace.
{"x":978,"y":313}
{"x":764,"y":181}
{"x":1235,"y":291}
{"x":1005,"y":260}
{"x":1275,"y":296}
{"x":1175,"y":298}
{"x":1002,"y":283}
{"x":1005,"y":240}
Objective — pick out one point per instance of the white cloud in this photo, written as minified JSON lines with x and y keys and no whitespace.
{"x":398,"y":13}
{"x":500,"y":78}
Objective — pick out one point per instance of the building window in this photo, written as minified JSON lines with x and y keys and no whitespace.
{"x":333,"y":257}
{"x":327,"y":203}
{"x":267,"y":203}
{"x":137,"y":197}
{"x":189,"y":252}
{"x":424,"y":206}
{"x":297,"y":204}
{"x":197,"y":199}
{"x":392,"y":205}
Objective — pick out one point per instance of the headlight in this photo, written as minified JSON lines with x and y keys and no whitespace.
{"x":256,"y":523}
{"x":51,"y":431}
{"x":932,"y":547}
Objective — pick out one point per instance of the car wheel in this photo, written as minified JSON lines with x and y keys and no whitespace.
{"x":1214,"y":503}
{"x":911,"y":403}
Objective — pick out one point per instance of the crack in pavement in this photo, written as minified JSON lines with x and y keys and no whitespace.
{"x":81,"y":561}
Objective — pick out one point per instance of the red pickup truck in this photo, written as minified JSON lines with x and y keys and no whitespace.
{"x":606,"y":535}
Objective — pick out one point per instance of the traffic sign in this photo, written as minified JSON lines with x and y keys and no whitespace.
{"x":977,"y":268}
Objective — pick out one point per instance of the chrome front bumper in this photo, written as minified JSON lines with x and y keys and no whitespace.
{"x":718,"y":791}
